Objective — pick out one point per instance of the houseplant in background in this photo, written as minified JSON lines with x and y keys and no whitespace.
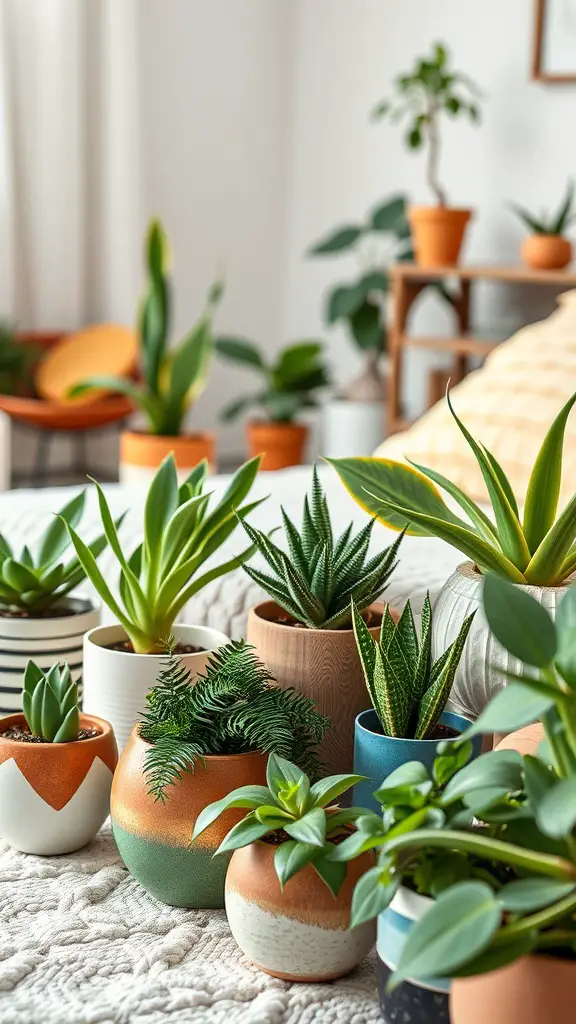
{"x":536,"y":551}
{"x":546,"y":247}
{"x":156,"y":580}
{"x":192,"y":741}
{"x":408,"y":692}
{"x":428,"y":91}
{"x":288,"y":906}
{"x":56,"y":767}
{"x":289,"y":385}
{"x":304,"y":634}
{"x":172,"y":378}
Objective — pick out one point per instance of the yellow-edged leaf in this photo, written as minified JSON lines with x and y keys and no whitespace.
{"x":545,"y":566}
{"x":544,"y":485}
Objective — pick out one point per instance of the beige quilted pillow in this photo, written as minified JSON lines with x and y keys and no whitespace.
{"x":508,"y":404}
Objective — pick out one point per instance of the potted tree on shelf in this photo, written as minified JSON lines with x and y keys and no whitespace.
{"x":304,"y":634}
{"x":56,"y":767}
{"x":171,"y":378}
{"x":192,"y":741}
{"x":156,"y":580}
{"x":289,"y":384}
{"x":428,"y":91}
{"x":288,"y":905}
{"x":546,"y":247}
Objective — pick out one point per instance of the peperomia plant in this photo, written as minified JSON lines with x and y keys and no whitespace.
{"x":408,"y":691}
{"x":50,"y":702}
{"x":537,"y":548}
{"x":304,"y":817}
{"x":180,"y":534}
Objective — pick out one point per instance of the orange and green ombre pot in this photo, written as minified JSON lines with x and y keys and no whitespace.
{"x":153,"y":838}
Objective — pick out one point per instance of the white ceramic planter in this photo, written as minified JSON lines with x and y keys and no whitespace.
{"x":477,"y":678}
{"x":116,"y":682}
{"x":44,"y":640}
{"x":352,"y":428}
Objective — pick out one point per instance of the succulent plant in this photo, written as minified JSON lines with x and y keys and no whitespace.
{"x":408,"y":690}
{"x":50,"y":701}
{"x":320,"y":575}
{"x":550,"y":224}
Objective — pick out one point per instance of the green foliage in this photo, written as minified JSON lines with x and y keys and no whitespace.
{"x":550,"y":224}
{"x":320,"y":575}
{"x":290,"y":806}
{"x":408,"y":691}
{"x":36,"y":582}
{"x":16,"y":362}
{"x":289,"y":382}
{"x":50,"y":702}
{"x":236,"y":707}
{"x":172,"y":378}
{"x":426,"y":92}
{"x":180,"y":534}
{"x":540,"y":549}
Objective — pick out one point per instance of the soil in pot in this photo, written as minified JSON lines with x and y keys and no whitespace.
{"x":23,"y":735}
{"x":372,"y":618}
{"x":127,"y":647}
{"x":48,"y":613}
{"x":440,"y":732}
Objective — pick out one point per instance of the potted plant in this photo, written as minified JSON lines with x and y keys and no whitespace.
{"x":289,"y":385}
{"x":38,"y":616}
{"x":56,"y":767}
{"x":546,"y":247}
{"x":425,"y":93}
{"x":171,"y":377}
{"x":304,"y":634}
{"x":287,"y":905}
{"x":535,"y":551}
{"x":408,"y":692}
{"x":193,"y":740}
{"x":156,"y":580}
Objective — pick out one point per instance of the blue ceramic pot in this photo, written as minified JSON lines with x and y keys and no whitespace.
{"x":376,"y":755}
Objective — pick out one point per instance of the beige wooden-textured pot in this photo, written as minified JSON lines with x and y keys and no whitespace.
{"x":533,"y":990}
{"x":323,"y":664}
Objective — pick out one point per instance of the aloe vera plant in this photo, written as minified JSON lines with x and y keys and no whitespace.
{"x":50,"y":702}
{"x":408,"y":690}
{"x":538,"y":547}
{"x":550,"y":224}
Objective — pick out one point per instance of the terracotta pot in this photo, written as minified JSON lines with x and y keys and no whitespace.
{"x":281,"y":443}
{"x":154,"y":837}
{"x":437,"y":234}
{"x":546,"y":252}
{"x":299,"y":933}
{"x":533,"y":990}
{"x":323,"y":664}
{"x":141,"y":454}
{"x":66,"y":416}
{"x":55,"y":796}
{"x":525,"y":741}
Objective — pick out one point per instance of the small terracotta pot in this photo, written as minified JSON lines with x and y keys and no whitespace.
{"x":141,"y":454}
{"x":281,"y":443}
{"x":55,"y":796}
{"x":546,"y":252}
{"x":154,"y":837}
{"x":323,"y":664}
{"x":533,"y":990}
{"x":437,"y":233}
{"x":525,"y":741}
{"x":299,"y":933}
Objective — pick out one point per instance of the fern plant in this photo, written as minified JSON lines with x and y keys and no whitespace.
{"x":50,"y":702}
{"x":236,"y":707}
{"x":408,"y":691}
{"x":319,"y":577}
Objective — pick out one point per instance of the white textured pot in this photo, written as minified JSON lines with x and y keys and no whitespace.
{"x":352,"y":428}
{"x":116,"y":682}
{"x":477,"y":678}
{"x":45,"y":640}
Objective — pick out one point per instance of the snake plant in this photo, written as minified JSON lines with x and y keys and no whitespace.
{"x":50,"y":702}
{"x":538,"y":547}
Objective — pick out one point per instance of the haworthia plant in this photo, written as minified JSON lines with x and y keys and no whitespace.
{"x":50,"y":702}
{"x":538,"y":548}
{"x":408,"y":691}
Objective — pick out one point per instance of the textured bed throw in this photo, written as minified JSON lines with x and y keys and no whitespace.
{"x":82,"y":943}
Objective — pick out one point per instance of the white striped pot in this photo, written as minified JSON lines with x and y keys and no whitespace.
{"x":45,"y":641}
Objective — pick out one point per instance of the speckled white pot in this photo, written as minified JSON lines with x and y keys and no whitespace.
{"x":477,"y":678}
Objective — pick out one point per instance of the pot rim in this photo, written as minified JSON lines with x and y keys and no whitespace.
{"x":197,"y":435}
{"x":89,"y":638}
{"x":470,"y":572}
{"x":406,"y":739}
{"x":306,"y":631}
{"x":18,"y":718}
{"x":91,"y":605}
{"x":278,"y":425}
{"x":135,"y":734}
{"x":419,"y":208}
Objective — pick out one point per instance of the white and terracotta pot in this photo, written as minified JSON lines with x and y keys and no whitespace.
{"x":142,"y":453}
{"x":477,"y":678}
{"x":55,"y":796}
{"x":116,"y":682}
{"x":45,"y":640}
{"x":301,"y":932}
{"x":352,"y":428}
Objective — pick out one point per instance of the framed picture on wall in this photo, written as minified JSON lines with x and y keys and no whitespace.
{"x":554,"y":57}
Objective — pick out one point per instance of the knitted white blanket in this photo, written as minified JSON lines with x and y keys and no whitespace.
{"x":82,"y":943}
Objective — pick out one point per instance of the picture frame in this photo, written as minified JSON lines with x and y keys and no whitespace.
{"x":554,"y":49}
